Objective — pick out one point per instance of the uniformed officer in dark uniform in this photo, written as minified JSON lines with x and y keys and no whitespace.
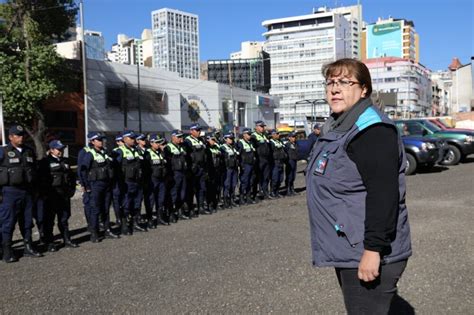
{"x":157,"y":167}
{"x":291,"y":148}
{"x":231,"y":163}
{"x":130,"y":164}
{"x":247,"y":162}
{"x":96,"y":175}
{"x":215,"y":170}
{"x":196,"y":154}
{"x":278,"y":162}
{"x":144,"y":191}
{"x":18,"y":173}
{"x":57,"y":186}
{"x":118,"y":189}
{"x":176,"y":157}
{"x":82,"y":177}
{"x":262,"y":148}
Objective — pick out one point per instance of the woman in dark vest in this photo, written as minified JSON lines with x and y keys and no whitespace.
{"x":356,"y":193}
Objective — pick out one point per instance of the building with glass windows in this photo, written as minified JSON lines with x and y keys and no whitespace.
{"x":409,"y":82}
{"x":391,"y":38}
{"x":299,"y":46}
{"x":251,"y":74}
{"x":95,"y":44}
{"x":132,"y":50}
{"x":176,"y":42}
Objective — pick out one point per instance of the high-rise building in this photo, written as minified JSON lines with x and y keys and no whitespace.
{"x":71,"y":49}
{"x":407,"y":81}
{"x":95,"y":44}
{"x":250,"y":74}
{"x":132,"y":50}
{"x":248,"y":50}
{"x":176,"y":42}
{"x":353,"y":14}
{"x":462,"y":96}
{"x":299,"y":46}
{"x":391,"y":38}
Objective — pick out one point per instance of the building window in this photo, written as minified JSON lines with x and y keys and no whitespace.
{"x":61,"y":119}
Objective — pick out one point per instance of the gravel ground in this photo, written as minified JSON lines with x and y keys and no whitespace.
{"x":255,"y":259}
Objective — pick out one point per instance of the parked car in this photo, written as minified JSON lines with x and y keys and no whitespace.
{"x":442,"y":125}
{"x":423,"y":152}
{"x":460,"y":144}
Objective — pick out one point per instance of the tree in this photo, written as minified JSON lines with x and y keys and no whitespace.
{"x":30,"y":69}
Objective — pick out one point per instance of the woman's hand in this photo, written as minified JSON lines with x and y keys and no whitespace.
{"x":369,"y":266}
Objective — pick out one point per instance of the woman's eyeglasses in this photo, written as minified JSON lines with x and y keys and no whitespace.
{"x":343,"y":84}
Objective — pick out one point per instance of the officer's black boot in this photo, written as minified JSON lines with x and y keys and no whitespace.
{"x":101,"y":227}
{"x":181,"y":214}
{"x":126,"y":228}
{"x":288,"y":191}
{"x":8,"y":254}
{"x":250,"y":200}
{"x":227,"y":204}
{"x":293,"y":192}
{"x":151,"y":223}
{"x":52,"y":248}
{"x":29,"y":251}
{"x":95,"y":236}
{"x":174,"y":216}
{"x":232,"y":201}
{"x":242,"y":199}
{"x":277,"y":193}
{"x":109,"y":234}
{"x":204,"y":209}
{"x":136,"y":224}
{"x":160,"y":216}
{"x":67,"y":240}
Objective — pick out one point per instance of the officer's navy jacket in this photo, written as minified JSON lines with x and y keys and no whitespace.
{"x":336,"y":199}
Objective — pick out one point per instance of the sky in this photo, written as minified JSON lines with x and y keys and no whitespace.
{"x":445,"y":27}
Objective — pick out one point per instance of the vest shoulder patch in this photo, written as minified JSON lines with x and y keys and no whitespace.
{"x":368,"y":118}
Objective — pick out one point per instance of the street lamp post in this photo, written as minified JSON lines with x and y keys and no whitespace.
{"x":84,"y":71}
{"x":313,"y":103}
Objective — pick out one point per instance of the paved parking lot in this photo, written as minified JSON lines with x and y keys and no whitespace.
{"x":249,"y":260}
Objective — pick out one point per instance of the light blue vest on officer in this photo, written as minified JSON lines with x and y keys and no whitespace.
{"x":336,"y":199}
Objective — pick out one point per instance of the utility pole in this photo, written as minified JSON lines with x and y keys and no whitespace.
{"x":234,"y":116}
{"x":125,"y":106}
{"x":137,"y":60}
{"x":84,"y":72}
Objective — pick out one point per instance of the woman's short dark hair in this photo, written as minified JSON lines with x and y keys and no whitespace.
{"x":347,"y":66}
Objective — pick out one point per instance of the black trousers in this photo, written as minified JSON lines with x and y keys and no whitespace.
{"x":370,"y":297}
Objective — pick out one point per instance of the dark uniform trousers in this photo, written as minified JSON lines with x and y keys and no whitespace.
{"x":230,"y":181}
{"x":86,"y":201}
{"x":98,"y":200}
{"x":56,"y":205}
{"x":214,"y":187}
{"x":17,"y":206}
{"x":117,"y":199}
{"x":290,"y":173}
{"x":131,"y":196}
{"x":246,"y":174}
{"x":199,"y":184}
{"x":264,"y":171}
{"x":277,"y":175}
{"x":157,"y":196}
{"x":178,"y":188}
